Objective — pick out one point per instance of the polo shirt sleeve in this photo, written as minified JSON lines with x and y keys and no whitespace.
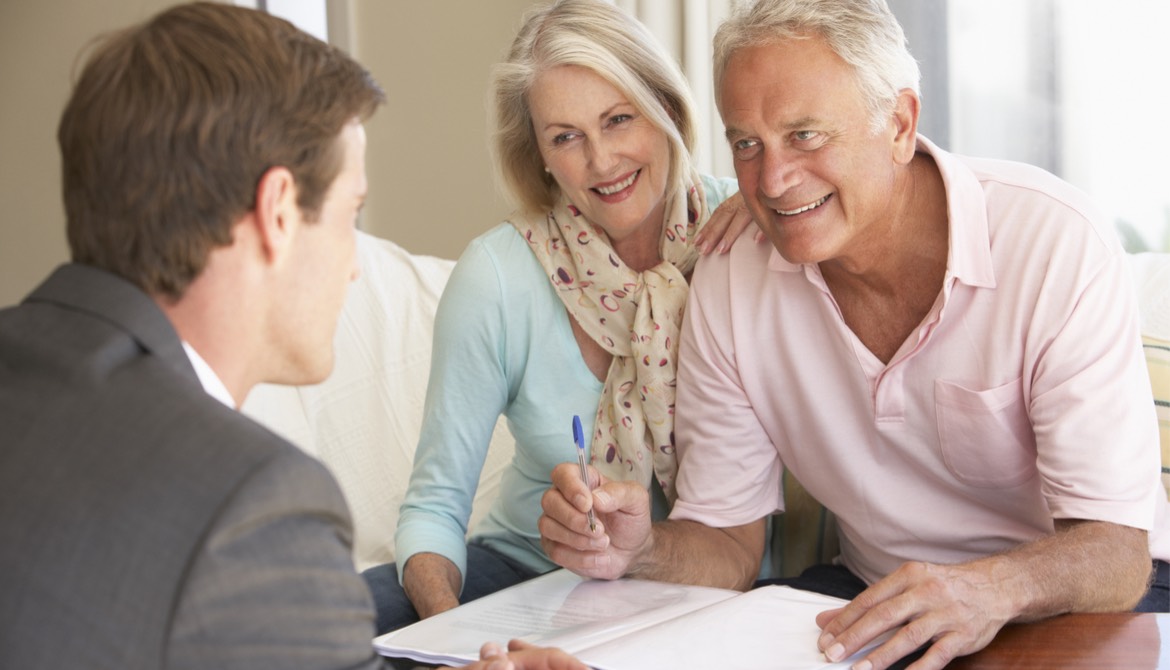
{"x":1095,"y":428}
{"x":729,"y":471}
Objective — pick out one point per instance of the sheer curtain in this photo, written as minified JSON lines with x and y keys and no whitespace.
{"x":1077,"y":87}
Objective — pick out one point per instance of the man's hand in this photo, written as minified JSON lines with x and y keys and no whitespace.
{"x":1086,"y":566}
{"x":957,"y":609}
{"x":622,"y":533}
{"x":524,"y":656}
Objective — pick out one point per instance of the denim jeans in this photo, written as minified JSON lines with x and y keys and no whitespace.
{"x":1157,"y":599}
{"x":829,"y":580}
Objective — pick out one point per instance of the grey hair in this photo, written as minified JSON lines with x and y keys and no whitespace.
{"x":863,"y":33}
{"x":602,"y":38}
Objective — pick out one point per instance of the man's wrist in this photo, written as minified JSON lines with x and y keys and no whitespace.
{"x":644,"y":562}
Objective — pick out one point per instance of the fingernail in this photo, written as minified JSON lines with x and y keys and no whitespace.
{"x":835,"y":653}
{"x":602,"y":497}
{"x":863,"y":664}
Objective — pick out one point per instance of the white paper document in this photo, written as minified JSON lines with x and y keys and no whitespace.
{"x":629,"y":624}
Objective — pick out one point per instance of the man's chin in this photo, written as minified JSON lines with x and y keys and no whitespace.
{"x":306,"y":373}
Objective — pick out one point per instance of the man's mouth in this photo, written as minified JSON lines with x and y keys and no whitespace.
{"x":619,"y":186}
{"x":805,"y":208}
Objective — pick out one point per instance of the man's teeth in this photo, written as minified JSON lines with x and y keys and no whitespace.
{"x":807,"y":207}
{"x":614,"y":188}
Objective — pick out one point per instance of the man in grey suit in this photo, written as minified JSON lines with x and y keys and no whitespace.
{"x":213,"y":170}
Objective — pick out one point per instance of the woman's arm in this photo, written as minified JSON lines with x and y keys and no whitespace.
{"x":466,"y":392}
{"x":432,"y":582}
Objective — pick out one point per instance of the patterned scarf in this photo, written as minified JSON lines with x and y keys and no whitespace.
{"x":633,"y":315}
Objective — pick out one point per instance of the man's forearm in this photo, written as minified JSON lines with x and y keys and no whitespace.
{"x":1086,"y":566}
{"x":687,"y":552}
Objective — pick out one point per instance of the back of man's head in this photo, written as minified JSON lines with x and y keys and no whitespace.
{"x":173,"y":122}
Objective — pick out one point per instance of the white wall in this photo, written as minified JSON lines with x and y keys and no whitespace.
{"x":38,"y":44}
{"x":432,"y":188}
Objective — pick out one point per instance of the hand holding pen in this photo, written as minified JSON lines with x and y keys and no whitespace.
{"x":579,"y":439}
{"x":617,"y":525}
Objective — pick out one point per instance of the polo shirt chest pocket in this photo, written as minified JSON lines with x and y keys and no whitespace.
{"x":985,"y":436}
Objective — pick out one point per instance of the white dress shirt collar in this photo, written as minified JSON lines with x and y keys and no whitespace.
{"x":207,"y":377}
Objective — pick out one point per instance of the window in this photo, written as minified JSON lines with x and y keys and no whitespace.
{"x":308,"y":15}
{"x":1074,"y":86}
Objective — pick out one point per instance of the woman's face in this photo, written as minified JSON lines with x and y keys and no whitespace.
{"x":607,"y":157}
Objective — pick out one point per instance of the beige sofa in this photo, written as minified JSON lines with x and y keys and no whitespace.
{"x":364,"y":421}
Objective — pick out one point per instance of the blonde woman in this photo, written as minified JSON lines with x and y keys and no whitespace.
{"x":572,"y":307}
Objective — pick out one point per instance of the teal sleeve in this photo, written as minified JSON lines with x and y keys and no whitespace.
{"x":466,"y":393}
{"x":718,"y":189}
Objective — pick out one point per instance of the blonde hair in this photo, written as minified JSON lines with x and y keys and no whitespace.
{"x":863,"y":33}
{"x":600,"y":37}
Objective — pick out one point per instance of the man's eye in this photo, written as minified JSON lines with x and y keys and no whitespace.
{"x":745,"y":149}
{"x":804,"y":135}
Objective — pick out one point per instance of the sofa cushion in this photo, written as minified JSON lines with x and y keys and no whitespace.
{"x":1158,"y":361}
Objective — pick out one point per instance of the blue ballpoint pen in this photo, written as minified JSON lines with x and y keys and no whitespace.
{"x":579,"y":438}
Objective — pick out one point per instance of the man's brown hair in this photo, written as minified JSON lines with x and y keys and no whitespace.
{"x":173,"y":122}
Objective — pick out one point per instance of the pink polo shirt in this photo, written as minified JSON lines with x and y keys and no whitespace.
{"x":1022,"y":397}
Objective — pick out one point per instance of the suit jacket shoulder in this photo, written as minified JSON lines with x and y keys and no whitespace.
{"x":123,"y":484}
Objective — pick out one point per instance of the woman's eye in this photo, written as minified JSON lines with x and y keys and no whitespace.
{"x":619,"y":118}
{"x":562,"y":138}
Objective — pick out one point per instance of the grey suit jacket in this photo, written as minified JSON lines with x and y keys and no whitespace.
{"x":142,"y":523}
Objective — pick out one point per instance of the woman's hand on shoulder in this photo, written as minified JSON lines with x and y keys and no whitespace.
{"x":729,"y":220}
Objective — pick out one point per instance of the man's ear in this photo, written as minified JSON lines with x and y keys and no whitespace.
{"x":906,"y":110}
{"x":277,"y":213}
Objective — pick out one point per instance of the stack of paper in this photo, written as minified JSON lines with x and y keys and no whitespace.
{"x":629,"y":624}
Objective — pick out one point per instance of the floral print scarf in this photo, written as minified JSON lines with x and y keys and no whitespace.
{"x":636,"y":317}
